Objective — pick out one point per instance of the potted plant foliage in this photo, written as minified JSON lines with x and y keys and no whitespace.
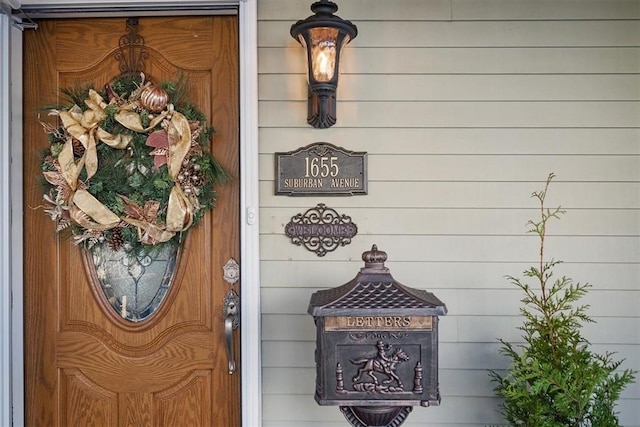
{"x":554,"y":379}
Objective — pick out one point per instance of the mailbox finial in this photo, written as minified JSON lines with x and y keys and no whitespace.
{"x":374,"y":258}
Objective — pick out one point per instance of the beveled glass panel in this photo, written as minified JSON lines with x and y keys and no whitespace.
{"x":134,"y":283}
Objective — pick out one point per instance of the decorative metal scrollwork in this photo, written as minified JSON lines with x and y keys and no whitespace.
{"x":365,"y":416}
{"x":231,"y":271}
{"x":321,"y":229}
{"x":131,"y":50}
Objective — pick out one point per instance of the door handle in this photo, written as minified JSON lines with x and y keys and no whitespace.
{"x":231,"y":321}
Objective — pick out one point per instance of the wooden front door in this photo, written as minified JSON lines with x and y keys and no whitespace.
{"x":85,"y":366}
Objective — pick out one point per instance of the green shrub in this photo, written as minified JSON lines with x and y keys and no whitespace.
{"x":554,"y":379}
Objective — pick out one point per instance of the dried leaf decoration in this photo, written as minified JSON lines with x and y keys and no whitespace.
{"x":160,"y":141}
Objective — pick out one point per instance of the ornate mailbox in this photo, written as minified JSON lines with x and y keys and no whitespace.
{"x":376,"y":346}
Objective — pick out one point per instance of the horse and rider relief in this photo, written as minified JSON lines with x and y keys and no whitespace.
{"x":378,"y":373}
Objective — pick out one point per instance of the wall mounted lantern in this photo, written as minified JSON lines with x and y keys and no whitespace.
{"x":323,"y":35}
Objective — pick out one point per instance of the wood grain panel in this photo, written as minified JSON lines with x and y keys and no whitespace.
{"x":179,"y":352}
{"x":135,"y":409}
{"x":226,"y":115}
{"x":39,"y":353}
{"x":152,"y":373}
{"x":181,"y":404}
{"x":194,"y":32}
{"x":86,"y":403}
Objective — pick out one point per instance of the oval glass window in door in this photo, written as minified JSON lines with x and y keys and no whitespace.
{"x":134,"y":283}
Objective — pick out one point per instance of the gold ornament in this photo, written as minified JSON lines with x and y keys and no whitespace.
{"x":154,"y":98}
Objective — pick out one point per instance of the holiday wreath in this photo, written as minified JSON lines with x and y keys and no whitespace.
{"x":129,"y":166}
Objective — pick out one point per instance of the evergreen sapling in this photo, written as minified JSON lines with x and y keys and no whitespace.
{"x":554,"y":379}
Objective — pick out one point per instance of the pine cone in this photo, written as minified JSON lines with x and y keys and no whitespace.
{"x":197,"y":179}
{"x":78,"y":148}
{"x":116,"y":241}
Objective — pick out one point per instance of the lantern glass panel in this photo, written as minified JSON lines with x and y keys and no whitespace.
{"x":324,"y":46}
{"x":303,"y":42}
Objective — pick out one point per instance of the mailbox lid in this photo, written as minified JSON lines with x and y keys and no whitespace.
{"x":374,"y":291}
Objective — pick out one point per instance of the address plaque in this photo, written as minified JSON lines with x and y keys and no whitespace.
{"x":321,"y":169}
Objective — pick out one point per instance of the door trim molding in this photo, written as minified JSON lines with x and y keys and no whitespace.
{"x":6,"y":257}
{"x":11,"y":257}
{"x":250,"y":314}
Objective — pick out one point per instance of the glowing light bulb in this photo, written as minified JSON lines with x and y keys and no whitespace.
{"x":324,"y":60}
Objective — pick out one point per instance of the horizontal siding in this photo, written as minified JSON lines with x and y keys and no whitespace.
{"x":469,"y":248}
{"x":460,"y":141}
{"x":464,"y":410}
{"x":463,"y":378}
{"x":455,"y":382}
{"x":463,"y":107}
{"x":367,"y":9}
{"x":545,"y":9}
{"x":488,"y":87}
{"x":445,"y":10}
{"x":474,"y":222}
{"x":458,"y":328}
{"x":436,"y":275}
{"x":458,"y":355}
{"x":493,"y":168}
{"x":476,"y":194}
{"x":589,"y":33}
{"x":461,"y":61}
{"x":480,"y":114}
{"x":473,"y":302}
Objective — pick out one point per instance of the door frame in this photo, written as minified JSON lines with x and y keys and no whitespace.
{"x":11,"y":207}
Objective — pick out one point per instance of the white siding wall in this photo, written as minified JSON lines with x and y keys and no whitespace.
{"x":464,"y":108}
